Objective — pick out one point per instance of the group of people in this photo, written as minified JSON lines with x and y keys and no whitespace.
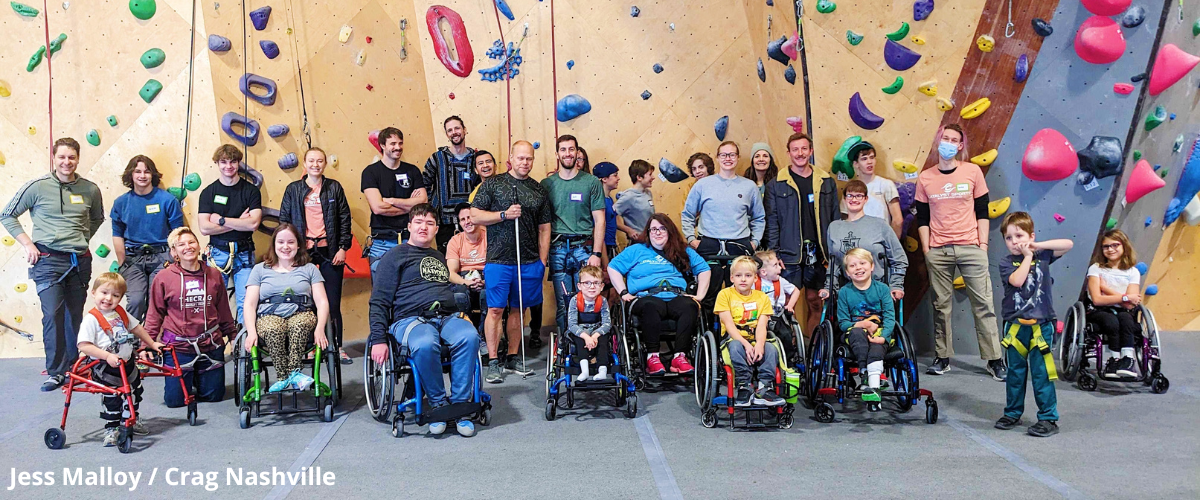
{"x":462,"y":237}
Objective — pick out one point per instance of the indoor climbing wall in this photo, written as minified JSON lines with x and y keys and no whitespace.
{"x":98,"y":78}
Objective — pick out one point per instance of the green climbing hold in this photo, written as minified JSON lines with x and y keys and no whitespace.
{"x":192,"y":181}
{"x":23,"y":9}
{"x":1137,"y":154}
{"x":36,"y":58}
{"x":57,"y":42}
{"x":895,"y":86}
{"x":142,"y":9}
{"x":853,"y":38}
{"x":112,"y":120}
{"x":899,"y":34}
{"x":1196,"y":28}
{"x":1163,"y":173}
{"x":177,"y":192}
{"x":153,"y":58}
{"x":1156,"y":118}
{"x":102,"y":251}
{"x":150,"y":90}
{"x":841,"y":160}
{"x":825,"y":6}
{"x":114,"y":267}
{"x":93,"y":137}
{"x":1112,"y":223}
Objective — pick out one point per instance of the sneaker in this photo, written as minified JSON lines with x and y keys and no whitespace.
{"x":493,"y":374}
{"x":110,"y":436}
{"x":767,"y":397}
{"x":466,"y":428}
{"x":517,"y":366}
{"x":1125,"y":368}
{"x":870,"y":395}
{"x":534,"y":341}
{"x":654,"y":365}
{"x":52,"y":383}
{"x":346,"y":359}
{"x":874,"y":406}
{"x":996,"y":369}
{"x":140,"y":429}
{"x":1006,"y":422}
{"x":279,"y":386}
{"x":1044,"y":428}
{"x":301,"y":381}
{"x":744,"y":396}
{"x":483,"y":346}
{"x":1110,"y":368}
{"x":939,"y":366}
{"x":680,"y":365}
{"x":436,"y":428}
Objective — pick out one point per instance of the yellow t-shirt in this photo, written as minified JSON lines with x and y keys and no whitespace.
{"x":746,"y":310}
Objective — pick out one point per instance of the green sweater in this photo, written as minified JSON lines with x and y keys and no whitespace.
{"x":65,"y":214}
{"x":855,"y":305}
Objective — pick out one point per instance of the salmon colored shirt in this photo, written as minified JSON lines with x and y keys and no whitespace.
{"x":951,"y":199}
{"x":314,"y":218}
{"x":470,"y":257}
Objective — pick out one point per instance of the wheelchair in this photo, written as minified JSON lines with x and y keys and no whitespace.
{"x":628,"y":328}
{"x":1080,"y":345}
{"x":380,"y":381}
{"x":82,"y":378}
{"x":251,"y":380}
{"x":710,"y":378}
{"x":562,"y":368}
{"x":829,"y":375}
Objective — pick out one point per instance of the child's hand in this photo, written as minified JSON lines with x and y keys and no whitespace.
{"x":875,"y":339}
{"x":113,"y":360}
{"x":871,"y":327}
{"x":791,"y":309}
{"x":145,"y":355}
{"x":1026,"y":249}
{"x":758,"y":352}
{"x":589,"y":341}
{"x":749,"y":348}
{"x":897,"y":294}
{"x":823,"y":294}
{"x":155,"y":346}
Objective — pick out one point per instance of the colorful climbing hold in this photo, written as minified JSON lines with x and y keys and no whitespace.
{"x":945,"y":104}
{"x":1196,"y":28}
{"x":762,"y":72}
{"x":634,"y":11}
{"x":102,"y":250}
{"x":537,"y":145}
{"x":278,"y":130}
{"x":646,"y":95}
{"x":789,"y":74}
{"x":826,"y":6}
{"x":218,"y":43}
{"x":1099,"y":40}
{"x":919,"y":40}
{"x":570,"y":64}
{"x":460,"y":66}
{"x":150,"y":90}
{"x":250,"y":80}
{"x":5,"y":90}
{"x":503,"y":7}
{"x":1157,"y":166}
{"x":1152,"y":290}
{"x":509,"y":58}
{"x":93,"y":137}
{"x":922,"y":9}
{"x":906,"y":167}
{"x":35,"y":59}
{"x":373,"y":138}
{"x":895,"y":86}
{"x":23,"y":10}
{"x":796,"y":123}
{"x":2,"y":160}
{"x":899,"y":34}
{"x":775,"y":51}
{"x":1133,"y":16}
{"x":985,"y":43}
{"x":721,"y":127}
{"x":1178,"y":146}
{"x":790,"y":45}
{"x":842,"y":165}
{"x":1149,"y":221}
{"x":56,"y":43}
{"x":959,"y":283}
{"x":250,"y":128}
{"x":571,"y":107}
{"x":1049,"y":157}
{"x":899,"y":57}
{"x":976,"y":108}
{"x":269,"y":48}
{"x":1171,"y":64}
{"x":1021,"y":70}
{"x":1142,"y":181}
{"x":21,"y":287}
{"x":192,"y":181}
{"x":853,"y":38}
{"x":1105,"y":7}
{"x":1156,"y":118}
{"x":997,"y":208}
{"x":1059,"y":217}
{"x":260,"y":16}
{"x":344,"y":33}
{"x":911,"y":244}
{"x":1137,"y":154}
{"x":1041,"y":27}
{"x":112,"y":120}
{"x":178,"y":193}
{"x":1142,"y":268}
{"x":986,"y":158}
{"x":1163,"y":173}
{"x":451,"y":96}
{"x":1112,"y":222}
{"x":8,"y":241}
{"x":153,"y":58}
{"x":1123,"y":88}
{"x":1101,"y":158}
{"x":929,"y":88}
{"x":113,"y":267}
{"x":657,"y":68}
{"x":671,"y":171}
{"x":142,"y":9}
{"x":861,"y":115}
{"x":288,"y":161}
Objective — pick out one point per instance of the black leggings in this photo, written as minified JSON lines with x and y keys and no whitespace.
{"x":602,"y":352}
{"x":333,"y":288}
{"x":652,"y":311}
{"x":1118,"y":327}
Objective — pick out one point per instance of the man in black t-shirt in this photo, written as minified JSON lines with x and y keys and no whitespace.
{"x":412,"y":300}
{"x":392,"y":188}
{"x":230,"y":211}
{"x":502,"y":202}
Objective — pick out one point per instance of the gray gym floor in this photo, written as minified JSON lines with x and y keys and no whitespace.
{"x":1117,"y":442}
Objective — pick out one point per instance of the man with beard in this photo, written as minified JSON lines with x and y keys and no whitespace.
{"x":449,"y":177}
{"x":393,"y":188}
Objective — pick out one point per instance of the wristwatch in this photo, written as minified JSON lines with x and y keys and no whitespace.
{"x":621,"y":293}
{"x":221,"y":222}
{"x":596,"y":255}
{"x":1124,"y":298}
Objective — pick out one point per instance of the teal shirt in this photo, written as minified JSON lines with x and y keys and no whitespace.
{"x":65,"y":214}
{"x":855,"y":305}
{"x":573,"y":202}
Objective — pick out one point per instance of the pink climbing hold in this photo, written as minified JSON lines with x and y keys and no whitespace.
{"x":1170,"y":66}
{"x":1123,"y":88}
{"x":460,"y":65}
{"x":1142,"y":181}
{"x":373,"y":137}
{"x":1049,"y":157}
{"x":796,"y":123}
{"x":789,"y":47}
{"x":1059,"y":217}
{"x":1099,"y":40}
{"x":1106,"y":7}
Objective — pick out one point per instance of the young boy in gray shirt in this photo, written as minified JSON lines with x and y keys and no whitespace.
{"x":636,"y":204}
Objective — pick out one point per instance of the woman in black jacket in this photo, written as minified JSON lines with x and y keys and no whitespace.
{"x":317,"y":206}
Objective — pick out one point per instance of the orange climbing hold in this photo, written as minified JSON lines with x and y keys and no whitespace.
{"x":1170,"y":66}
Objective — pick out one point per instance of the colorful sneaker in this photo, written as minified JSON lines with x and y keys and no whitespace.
{"x":680,"y":365}
{"x":1125,"y":368}
{"x":282,"y":384}
{"x":110,"y":436}
{"x":140,"y":429}
{"x":654,"y":365}
{"x":437,"y":428}
{"x":52,"y":383}
{"x":301,"y":381}
{"x":466,"y":428}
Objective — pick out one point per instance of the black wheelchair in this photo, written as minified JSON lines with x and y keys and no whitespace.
{"x":629,"y":328}
{"x":1080,"y":345}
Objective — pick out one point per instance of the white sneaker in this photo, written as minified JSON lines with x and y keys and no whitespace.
{"x":110,"y":436}
{"x":437,"y":428}
{"x":301,"y":381}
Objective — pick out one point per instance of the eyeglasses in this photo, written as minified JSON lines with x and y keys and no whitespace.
{"x":658,"y":230}
{"x":591,"y":283}
{"x":1111,"y":246}
{"x":727,"y":156}
{"x":856,"y":196}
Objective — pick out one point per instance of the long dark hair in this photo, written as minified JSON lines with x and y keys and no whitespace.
{"x":772,"y":170}
{"x":301,"y":257}
{"x":127,"y":176}
{"x":675,"y":249}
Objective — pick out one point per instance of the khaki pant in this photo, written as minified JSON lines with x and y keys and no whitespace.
{"x":972,"y":264}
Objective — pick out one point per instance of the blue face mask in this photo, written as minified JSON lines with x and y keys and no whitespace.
{"x":947,"y":150}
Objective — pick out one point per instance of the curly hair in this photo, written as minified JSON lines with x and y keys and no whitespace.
{"x":127,"y":176}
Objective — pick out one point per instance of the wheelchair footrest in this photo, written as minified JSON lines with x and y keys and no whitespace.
{"x":449,"y":412}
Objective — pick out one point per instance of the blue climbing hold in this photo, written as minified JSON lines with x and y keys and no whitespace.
{"x":570,"y":64}
{"x":634,"y":11}
{"x":537,"y":145}
{"x":775,"y":51}
{"x":789,"y":74}
{"x":1186,"y":189}
{"x":260,"y":16}
{"x":721,"y":127}
{"x":770,"y":3}
{"x":1172,"y":116}
{"x":1021,"y":73}
{"x":671,"y":171}
{"x":278,"y":130}
{"x":250,"y":79}
{"x":657,"y":68}
{"x":762,"y":72}
{"x":509,"y":58}
{"x":1152,"y":290}
{"x":289,"y":161}
{"x":1157,"y":166}
{"x":503,"y":7}
{"x":571,"y":107}
{"x":1142,"y":268}
{"x":646,"y":95}
{"x":269,"y":48}
{"x":922,"y":9}
{"x":218,"y":43}
{"x":254,"y":176}
{"x":249,"y":137}
{"x":1149,"y":220}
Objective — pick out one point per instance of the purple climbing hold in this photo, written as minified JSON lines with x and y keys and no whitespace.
{"x":789,"y":74}
{"x":721,"y":127}
{"x":249,"y":137}
{"x":252,"y":80}
{"x":1022,"y":70}
{"x":645,"y":95}
{"x":922,"y":9}
{"x":770,"y":3}
{"x":269,"y":48}
{"x":762,"y":72}
{"x":289,"y":161}
{"x":571,"y":107}
{"x":657,"y":68}
{"x":775,"y":51}
{"x":899,"y":57}
{"x":260,"y":16}
{"x":278,"y":130}
{"x":502,"y":6}
{"x":254,"y":176}
{"x":862,"y":116}
{"x":218,"y":43}
{"x":634,"y":11}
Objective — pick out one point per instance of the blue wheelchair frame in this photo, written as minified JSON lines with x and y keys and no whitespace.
{"x":624,"y":386}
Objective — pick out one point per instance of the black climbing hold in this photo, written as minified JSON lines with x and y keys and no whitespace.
{"x":634,"y":11}
{"x":721,"y":127}
{"x":790,"y":75}
{"x":260,"y":16}
{"x":922,"y":9}
{"x":658,"y":68}
{"x":250,"y":79}
{"x":269,"y":48}
{"x":1041,"y":27}
{"x":1137,"y":78}
{"x":218,"y":43}
{"x":671,"y":171}
{"x":646,"y":95}
{"x":762,"y":72}
{"x":250,"y":137}
{"x":1133,"y":16}
{"x":1101,"y":158}
{"x":278,"y":130}
{"x":775,"y":51}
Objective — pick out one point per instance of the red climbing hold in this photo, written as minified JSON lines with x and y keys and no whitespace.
{"x":452,"y":96}
{"x":1123,"y":88}
{"x":1142,"y":181}
{"x":373,"y":137}
{"x":370,"y":87}
{"x":1170,"y":66}
{"x":1106,"y":7}
{"x":1099,"y":40}
{"x":460,"y":66}
{"x":1049,"y":157}
{"x":368,"y":39}
{"x":789,"y":47}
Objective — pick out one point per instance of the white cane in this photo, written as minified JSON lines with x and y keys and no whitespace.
{"x":520,"y":298}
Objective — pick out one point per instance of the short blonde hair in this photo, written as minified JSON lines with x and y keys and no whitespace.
{"x":743,"y":261}
{"x":176,"y":233}
{"x":766,"y":255}
{"x":858,"y":253}
{"x":114,"y":279}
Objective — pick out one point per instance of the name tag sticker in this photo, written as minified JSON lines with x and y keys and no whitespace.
{"x":962,"y":187}
{"x":401,"y":177}
{"x":576,"y":196}
{"x":466,"y":175}
{"x":221,"y":200}
{"x":153,"y":209}
{"x":811,"y":197}
{"x":749,"y":306}
{"x":76,"y":199}
{"x":911,"y":176}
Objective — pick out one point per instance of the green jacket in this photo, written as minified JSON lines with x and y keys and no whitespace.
{"x":65,"y":214}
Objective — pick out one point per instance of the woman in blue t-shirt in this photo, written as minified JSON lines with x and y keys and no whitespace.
{"x":654,"y":274}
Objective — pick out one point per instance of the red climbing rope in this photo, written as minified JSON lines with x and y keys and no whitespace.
{"x":50,"y":83}
{"x":507,"y":78}
{"x":554,"y":77}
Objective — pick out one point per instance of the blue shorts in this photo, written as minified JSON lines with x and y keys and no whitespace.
{"x":502,"y":286}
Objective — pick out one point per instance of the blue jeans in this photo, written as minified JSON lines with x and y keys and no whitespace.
{"x":566,"y":259}
{"x":243,"y":262}
{"x":425,"y":348}
{"x":208,"y":387}
{"x":378,"y":248}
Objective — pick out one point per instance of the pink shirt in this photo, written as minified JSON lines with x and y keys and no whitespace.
{"x":951,"y":199}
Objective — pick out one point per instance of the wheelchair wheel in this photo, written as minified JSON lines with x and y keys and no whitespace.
{"x":824,"y":412}
{"x":931,"y":412}
{"x":637,"y":365}
{"x":551,"y":410}
{"x":244,"y":418}
{"x":631,"y":407}
{"x":240,"y":369}
{"x":820,"y":359}
{"x":397,"y":426}
{"x":55,"y":438}
{"x":333,"y":373}
{"x":552,"y":360}
{"x":379,"y":381}
{"x":124,"y":439}
{"x":1070,"y":343}
{"x":905,"y":376}
{"x":704,"y":378}
{"x":1159,"y":384}
{"x":799,"y":360}
{"x":1087,"y":382}
{"x":1151,"y":363}
{"x":709,"y":418}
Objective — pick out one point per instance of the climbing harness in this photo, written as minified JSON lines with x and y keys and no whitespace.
{"x":1036,"y":340}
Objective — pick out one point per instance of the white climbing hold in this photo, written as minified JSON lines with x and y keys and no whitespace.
{"x":344,"y":34}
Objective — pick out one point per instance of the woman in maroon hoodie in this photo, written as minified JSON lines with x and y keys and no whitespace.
{"x":189,"y":309}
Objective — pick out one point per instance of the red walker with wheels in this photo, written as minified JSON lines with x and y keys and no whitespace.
{"x":80,"y":379}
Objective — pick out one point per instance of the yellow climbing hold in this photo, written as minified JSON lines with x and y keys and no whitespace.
{"x":344,"y":34}
{"x":18,"y":319}
{"x":5,"y":90}
{"x":928,"y":88}
{"x":32,"y":130}
{"x":904,"y":166}
{"x":919,"y":40}
{"x":976,"y":108}
{"x":985,"y":43}
{"x":2,"y":160}
{"x":985,"y":159}
{"x":8,"y":241}
{"x":999,"y":207}
{"x":910,"y":244}
{"x":959,"y":284}
{"x":945,"y":104}
{"x":21,"y":287}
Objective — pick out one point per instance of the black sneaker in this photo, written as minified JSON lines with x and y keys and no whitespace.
{"x":1110,"y":368}
{"x":517,"y":366}
{"x":52,"y":383}
{"x":534,"y":341}
{"x":1044,"y":428}
{"x":996,"y":369}
{"x":939,"y":366}
{"x":1006,"y":422}
{"x":744,"y":396}
{"x":767,"y":397}
{"x":1125,"y":368}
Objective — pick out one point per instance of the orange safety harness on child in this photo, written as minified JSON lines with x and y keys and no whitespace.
{"x":587,"y":317}
{"x":775,"y":284}
{"x":107,"y":327}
